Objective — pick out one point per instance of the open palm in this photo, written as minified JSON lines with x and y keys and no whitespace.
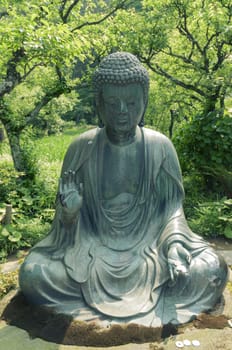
{"x":71,"y":192}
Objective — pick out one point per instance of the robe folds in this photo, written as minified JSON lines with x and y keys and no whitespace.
{"x":110,"y":261}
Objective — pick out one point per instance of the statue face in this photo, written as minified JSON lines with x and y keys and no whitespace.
{"x":122,"y":107}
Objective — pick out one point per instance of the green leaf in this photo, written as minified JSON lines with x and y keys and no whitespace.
{"x":228,"y":232}
{"x":4,"y":232}
{"x":15,"y":237}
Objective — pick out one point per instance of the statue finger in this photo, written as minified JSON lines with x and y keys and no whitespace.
{"x":81,"y":188}
{"x":185,"y":255}
{"x":189,"y":258}
{"x":170,"y":267}
{"x":69,"y":180}
{"x":61,"y":185}
{"x":64,"y":181}
{"x":73,"y":177}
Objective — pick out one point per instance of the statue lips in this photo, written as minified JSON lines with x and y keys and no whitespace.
{"x":122,"y":119}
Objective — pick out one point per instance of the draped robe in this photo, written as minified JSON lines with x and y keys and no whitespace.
{"x":114,"y":252}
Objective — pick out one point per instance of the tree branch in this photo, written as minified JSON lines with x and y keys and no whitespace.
{"x":31,"y":70}
{"x":30,"y":117}
{"x":183,"y":28}
{"x":158,"y":70}
{"x":205,"y":48}
{"x":119,"y":6}
{"x":220,"y":57}
{"x":64,"y":16}
{"x":61,"y":9}
{"x":185,"y":59}
{"x":3,"y":14}
{"x":60,"y":88}
{"x":184,"y":31}
{"x":13,"y":77}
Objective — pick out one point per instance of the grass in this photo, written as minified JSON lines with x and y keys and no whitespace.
{"x":50,"y":150}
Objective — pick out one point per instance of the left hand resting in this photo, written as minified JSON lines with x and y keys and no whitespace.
{"x":179,"y":260}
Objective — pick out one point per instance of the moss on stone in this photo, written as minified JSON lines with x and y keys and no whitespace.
{"x":8,"y":281}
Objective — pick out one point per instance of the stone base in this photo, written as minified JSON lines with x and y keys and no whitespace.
{"x":42,"y":323}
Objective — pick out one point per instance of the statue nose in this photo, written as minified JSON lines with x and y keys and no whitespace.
{"x":123,"y":107}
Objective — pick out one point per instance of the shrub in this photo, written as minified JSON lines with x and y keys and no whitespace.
{"x":204,"y":146}
{"x":206,"y":140}
{"x":21,"y":235}
{"x":213,"y":219}
{"x":8,"y":180}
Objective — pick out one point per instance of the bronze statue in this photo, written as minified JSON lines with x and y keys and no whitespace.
{"x":120,"y":249}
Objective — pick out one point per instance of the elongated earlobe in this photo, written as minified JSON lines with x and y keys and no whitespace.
{"x":141,"y":123}
{"x":100,"y":123}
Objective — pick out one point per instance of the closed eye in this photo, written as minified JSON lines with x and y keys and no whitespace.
{"x":131,"y":103}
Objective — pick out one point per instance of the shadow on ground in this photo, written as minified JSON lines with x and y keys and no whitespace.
{"x":42,"y":323}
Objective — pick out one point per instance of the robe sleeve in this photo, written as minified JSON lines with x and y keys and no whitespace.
{"x":61,"y":236}
{"x":171,"y":193}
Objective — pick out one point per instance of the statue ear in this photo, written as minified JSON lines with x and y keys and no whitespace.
{"x":97,"y":111}
{"x":100,"y":123}
{"x":142,"y":123}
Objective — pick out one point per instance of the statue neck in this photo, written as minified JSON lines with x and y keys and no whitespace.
{"x":122,"y":138}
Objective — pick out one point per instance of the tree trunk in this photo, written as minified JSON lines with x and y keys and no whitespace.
{"x":210,"y":105}
{"x":212,"y":100}
{"x":16,"y":150}
{"x":7,"y":217}
{"x":2,"y":136}
{"x":171,"y":125}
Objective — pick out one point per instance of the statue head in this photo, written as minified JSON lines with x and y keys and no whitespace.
{"x":120,"y":69}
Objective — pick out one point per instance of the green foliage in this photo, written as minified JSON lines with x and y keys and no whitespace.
{"x":8,"y":180}
{"x":8,"y":281}
{"x":188,"y":45}
{"x":28,"y":198}
{"x":205,"y":140}
{"x":33,"y":210}
{"x":39,"y":28}
{"x":28,"y":153}
{"x":39,"y":48}
{"x":204,"y":144}
{"x":213,"y":218}
{"x":22,"y":234}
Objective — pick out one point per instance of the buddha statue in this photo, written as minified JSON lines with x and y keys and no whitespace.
{"x":119,"y":249}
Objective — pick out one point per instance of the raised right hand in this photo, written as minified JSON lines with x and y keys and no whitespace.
{"x":71,"y":193}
